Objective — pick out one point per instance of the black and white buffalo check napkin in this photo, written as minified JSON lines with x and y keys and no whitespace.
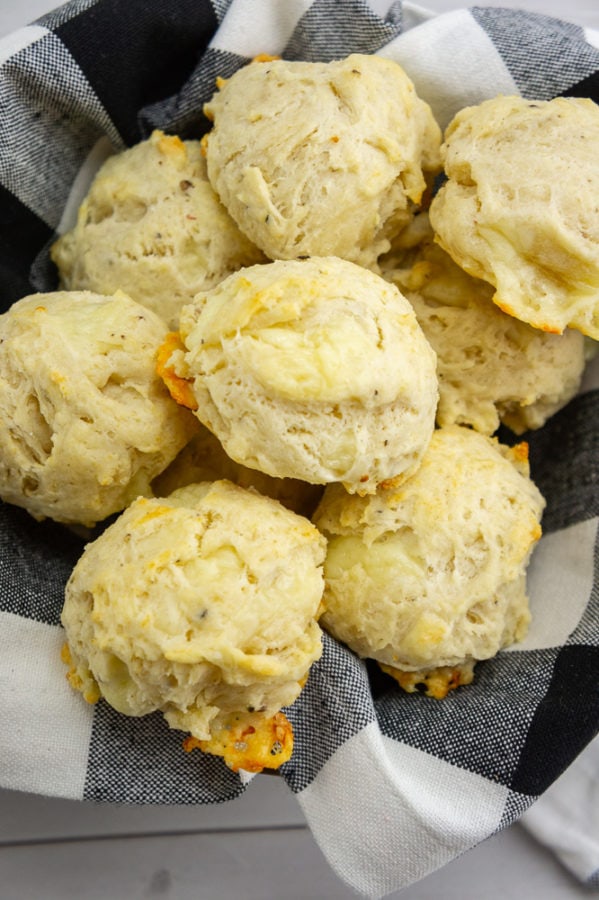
{"x":393,"y":785}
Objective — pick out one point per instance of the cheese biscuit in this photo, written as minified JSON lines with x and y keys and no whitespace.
{"x":152,"y":226}
{"x":519,"y":208}
{"x":204,"y":606}
{"x":86,"y":422}
{"x":315,"y":370}
{"x":432,"y":574}
{"x":492,"y":367}
{"x":321,"y":159}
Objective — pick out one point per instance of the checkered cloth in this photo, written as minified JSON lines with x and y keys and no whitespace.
{"x":393,"y":786}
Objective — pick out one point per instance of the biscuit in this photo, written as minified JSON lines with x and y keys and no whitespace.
{"x":204,"y":459}
{"x":492,"y":367}
{"x":202,"y":605}
{"x":315,"y":370}
{"x":152,"y":226}
{"x":432,"y":574}
{"x":519,"y":208}
{"x":321,"y":159}
{"x":86,"y":423}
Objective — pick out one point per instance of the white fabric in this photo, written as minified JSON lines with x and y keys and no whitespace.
{"x":45,"y":730}
{"x":258,"y":26}
{"x":592,"y":36}
{"x":566,"y":818}
{"x":560,"y":578}
{"x":19,"y":40}
{"x":452,"y":63}
{"x":409,"y":798}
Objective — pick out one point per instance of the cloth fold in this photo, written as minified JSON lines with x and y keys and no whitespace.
{"x":392,"y":785}
{"x":566,"y":818}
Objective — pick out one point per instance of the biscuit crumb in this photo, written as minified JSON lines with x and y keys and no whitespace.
{"x":437,"y":682}
{"x":249,"y":741}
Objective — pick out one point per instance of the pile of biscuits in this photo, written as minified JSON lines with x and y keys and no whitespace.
{"x":274,"y":372}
